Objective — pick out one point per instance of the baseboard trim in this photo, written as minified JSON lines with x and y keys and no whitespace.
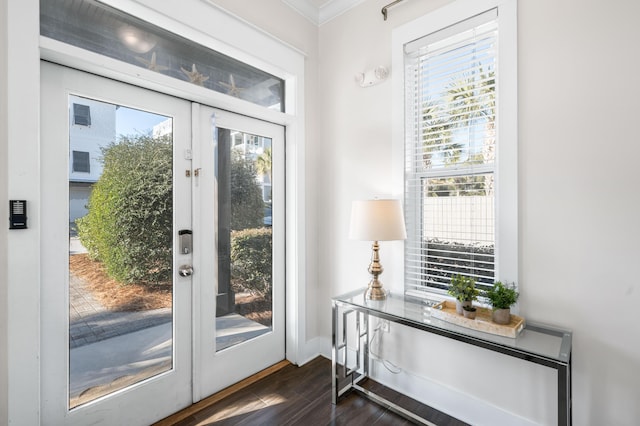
{"x":443,"y":398}
{"x":315,"y":347}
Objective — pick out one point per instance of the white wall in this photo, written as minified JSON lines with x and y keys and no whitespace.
{"x":356,"y":142}
{"x":578,"y":199}
{"x":4,"y":217}
{"x":22,"y":304}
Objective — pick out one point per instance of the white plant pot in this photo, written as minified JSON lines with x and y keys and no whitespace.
{"x":460,"y":304}
{"x":501,"y":316}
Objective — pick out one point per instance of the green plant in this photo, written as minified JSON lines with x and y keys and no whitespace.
{"x":463,"y":288}
{"x":251,"y":263}
{"x":469,"y":308}
{"x":128,"y":227}
{"x":501,"y":296}
{"x":247,"y":206}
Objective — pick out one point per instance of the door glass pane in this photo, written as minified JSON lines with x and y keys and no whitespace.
{"x":120,"y":247}
{"x":245,"y":290}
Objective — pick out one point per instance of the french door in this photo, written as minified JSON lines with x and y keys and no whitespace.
{"x":156,"y":211}
{"x":248,"y":263}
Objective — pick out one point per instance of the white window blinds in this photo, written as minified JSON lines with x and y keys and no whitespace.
{"x":450,"y":148}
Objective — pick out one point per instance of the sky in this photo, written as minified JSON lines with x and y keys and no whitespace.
{"x":135,"y":122}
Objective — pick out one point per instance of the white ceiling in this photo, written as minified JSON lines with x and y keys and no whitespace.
{"x":321,"y":11}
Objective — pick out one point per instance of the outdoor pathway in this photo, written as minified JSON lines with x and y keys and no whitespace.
{"x":90,"y":322}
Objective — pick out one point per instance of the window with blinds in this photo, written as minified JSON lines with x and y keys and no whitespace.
{"x":450,"y":149}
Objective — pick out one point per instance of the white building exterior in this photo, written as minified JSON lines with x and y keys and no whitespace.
{"x":252,"y":147}
{"x":163,"y":128}
{"x":92,"y":126}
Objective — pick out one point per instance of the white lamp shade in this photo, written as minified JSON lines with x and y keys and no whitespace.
{"x":377,"y":220}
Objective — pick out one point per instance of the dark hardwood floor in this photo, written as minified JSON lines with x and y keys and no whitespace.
{"x":302,"y":396}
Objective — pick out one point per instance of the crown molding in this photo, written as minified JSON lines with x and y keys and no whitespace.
{"x":324,"y":13}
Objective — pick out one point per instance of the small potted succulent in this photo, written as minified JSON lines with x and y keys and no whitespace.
{"x":469,"y":312}
{"x":501,"y":297}
{"x":464,"y":290}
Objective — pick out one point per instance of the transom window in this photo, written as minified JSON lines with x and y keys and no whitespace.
{"x":94,"y":26}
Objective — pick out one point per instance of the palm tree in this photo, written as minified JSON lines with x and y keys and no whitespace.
{"x":472,"y":102}
{"x":436,"y":132}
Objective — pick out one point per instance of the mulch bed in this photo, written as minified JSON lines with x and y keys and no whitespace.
{"x":116,"y":296}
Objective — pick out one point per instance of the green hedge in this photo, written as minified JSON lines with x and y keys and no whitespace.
{"x":251,"y":261}
{"x":129,"y":224}
{"x":247,"y":207}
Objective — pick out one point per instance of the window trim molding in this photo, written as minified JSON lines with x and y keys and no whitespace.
{"x":507,"y":246}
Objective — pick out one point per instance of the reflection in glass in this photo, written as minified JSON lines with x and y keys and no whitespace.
{"x":120,"y":248}
{"x":99,"y":28}
{"x":245,"y":288}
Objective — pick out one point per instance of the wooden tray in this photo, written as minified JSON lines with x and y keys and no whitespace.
{"x":446,"y":311}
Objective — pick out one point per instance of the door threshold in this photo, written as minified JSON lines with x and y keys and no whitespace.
{"x":210,"y":400}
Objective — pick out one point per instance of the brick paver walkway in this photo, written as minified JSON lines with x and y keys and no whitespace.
{"x":90,"y":322}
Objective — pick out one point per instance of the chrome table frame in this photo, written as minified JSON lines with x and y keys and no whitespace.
{"x":354,"y":303}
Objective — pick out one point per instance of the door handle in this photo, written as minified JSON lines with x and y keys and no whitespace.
{"x":185,"y":270}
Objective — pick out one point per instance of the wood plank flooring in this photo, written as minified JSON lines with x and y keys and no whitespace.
{"x":301,"y":396}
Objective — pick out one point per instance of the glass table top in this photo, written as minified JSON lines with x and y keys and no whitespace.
{"x":541,"y":340}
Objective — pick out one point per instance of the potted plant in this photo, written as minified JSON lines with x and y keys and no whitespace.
{"x":469,"y":312}
{"x":464,"y":290}
{"x":501,"y":297}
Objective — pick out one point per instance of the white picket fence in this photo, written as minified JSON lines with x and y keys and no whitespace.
{"x":460,"y":219}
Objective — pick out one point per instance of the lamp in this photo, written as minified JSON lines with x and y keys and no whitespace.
{"x":376,"y":220}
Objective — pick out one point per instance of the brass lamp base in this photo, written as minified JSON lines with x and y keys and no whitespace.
{"x":375,"y":290}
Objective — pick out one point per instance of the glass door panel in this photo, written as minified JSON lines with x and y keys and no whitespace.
{"x":120,"y":247}
{"x":245,"y":238}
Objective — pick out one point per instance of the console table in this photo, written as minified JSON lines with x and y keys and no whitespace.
{"x":543,"y":345}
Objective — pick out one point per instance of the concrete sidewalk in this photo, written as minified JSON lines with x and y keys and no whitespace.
{"x":111,"y":350}
{"x":114,"y":363}
{"x":103,"y":362}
